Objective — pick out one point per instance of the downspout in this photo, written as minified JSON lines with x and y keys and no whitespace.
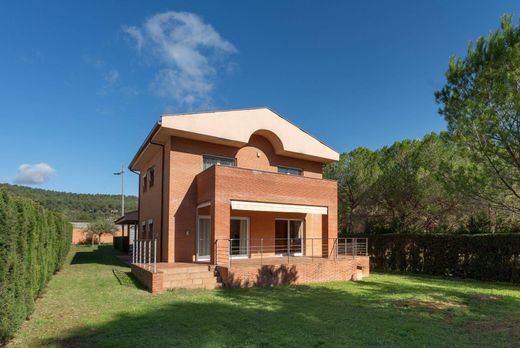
{"x":162,"y":195}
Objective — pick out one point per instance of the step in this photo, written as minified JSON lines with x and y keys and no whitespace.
{"x":187,"y":269}
{"x":193,"y":275}
{"x":191,"y":283}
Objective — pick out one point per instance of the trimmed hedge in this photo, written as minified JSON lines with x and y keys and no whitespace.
{"x":484,"y":257}
{"x":122,"y":243}
{"x":34,"y":243}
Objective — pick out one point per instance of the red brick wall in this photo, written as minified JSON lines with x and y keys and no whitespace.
{"x":154,"y":282}
{"x":80,"y":236}
{"x":297,"y":273}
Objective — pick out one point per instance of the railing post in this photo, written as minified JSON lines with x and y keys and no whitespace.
{"x":229,"y":253}
{"x":312,"y":249}
{"x":154,"y":255}
{"x":354,"y":247}
{"x":289,"y":250}
{"x":336,"y":242}
{"x":261,"y":251}
{"x":216,"y":252}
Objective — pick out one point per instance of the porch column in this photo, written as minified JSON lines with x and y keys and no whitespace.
{"x":332,"y":227}
{"x":220,"y":220}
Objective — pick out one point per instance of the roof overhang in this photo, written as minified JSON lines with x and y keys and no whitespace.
{"x":278,"y":208}
{"x":235,"y":128}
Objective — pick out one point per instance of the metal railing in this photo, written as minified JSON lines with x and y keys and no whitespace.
{"x":287,"y":249}
{"x":144,"y":253}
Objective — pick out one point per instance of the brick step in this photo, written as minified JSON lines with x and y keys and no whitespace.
{"x":192,"y":275}
{"x":191,"y":283}
{"x":188,"y":269}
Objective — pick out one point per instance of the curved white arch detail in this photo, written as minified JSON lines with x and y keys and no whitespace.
{"x":236,"y":127}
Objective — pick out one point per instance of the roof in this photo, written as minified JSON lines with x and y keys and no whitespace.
{"x":235,"y":127}
{"x":129,"y":218}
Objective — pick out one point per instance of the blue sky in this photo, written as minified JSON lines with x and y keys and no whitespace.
{"x":84,"y":82}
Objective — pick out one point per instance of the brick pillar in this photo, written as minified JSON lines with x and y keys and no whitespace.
{"x":220,"y":220}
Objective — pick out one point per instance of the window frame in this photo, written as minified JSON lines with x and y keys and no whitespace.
{"x":218,"y":157}
{"x":151,"y":173}
{"x":299,"y":170}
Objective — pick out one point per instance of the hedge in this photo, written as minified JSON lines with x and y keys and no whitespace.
{"x":484,"y":257}
{"x":34,"y":243}
{"x":122,"y":243}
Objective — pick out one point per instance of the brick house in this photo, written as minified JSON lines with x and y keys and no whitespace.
{"x":237,"y":198}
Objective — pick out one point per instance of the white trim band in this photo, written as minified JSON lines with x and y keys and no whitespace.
{"x":279,"y":208}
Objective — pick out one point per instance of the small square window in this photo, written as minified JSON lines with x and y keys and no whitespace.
{"x":145,"y":183}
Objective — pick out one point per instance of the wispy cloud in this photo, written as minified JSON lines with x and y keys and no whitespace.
{"x":187,"y":52}
{"x":34,"y":174}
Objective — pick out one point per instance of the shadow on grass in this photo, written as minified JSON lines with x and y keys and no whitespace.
{"x":100,"y":254}
{"x":310,"y":316}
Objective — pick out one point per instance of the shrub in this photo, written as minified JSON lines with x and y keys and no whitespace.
{"x":481,"y":256}
{"x":34,"y":243}
{"x":122,"y":243}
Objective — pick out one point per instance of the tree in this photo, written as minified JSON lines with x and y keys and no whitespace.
{"x":356,"y":172}
{"x":481,"y":103}
{"x":99,"y":228}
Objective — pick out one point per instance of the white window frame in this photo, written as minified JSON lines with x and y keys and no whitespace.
{"x":204,"y":258}
{"x":242,"y":218}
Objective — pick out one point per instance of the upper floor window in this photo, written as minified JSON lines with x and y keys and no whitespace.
{"x":151,"y":174}
{"x":145,"y":183}
{"x":208,"y":161}
{"x":290,"y":171}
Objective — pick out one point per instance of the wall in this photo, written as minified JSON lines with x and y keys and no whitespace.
{"x":295,"y":273}
{"x":80,"y":236}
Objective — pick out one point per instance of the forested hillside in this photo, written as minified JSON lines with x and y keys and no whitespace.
{"x":75,"y":206}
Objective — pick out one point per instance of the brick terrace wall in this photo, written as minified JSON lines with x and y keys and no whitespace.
{"x":152,"y":281}
{"x":298,"y":273}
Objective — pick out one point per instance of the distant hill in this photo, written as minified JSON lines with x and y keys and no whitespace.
{"x":75,"y":206}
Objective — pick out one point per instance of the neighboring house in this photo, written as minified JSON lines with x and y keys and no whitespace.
{"x":242,"y":191}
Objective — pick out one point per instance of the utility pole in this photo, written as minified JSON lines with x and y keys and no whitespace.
{"x":122,"y":173}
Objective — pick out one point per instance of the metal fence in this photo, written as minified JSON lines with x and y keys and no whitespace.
{"x":259,"y":249}
{"x":144,"y":253}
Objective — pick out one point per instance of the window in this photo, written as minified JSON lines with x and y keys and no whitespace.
{"x":143,"y":232}
{"x":151,"y":173}
{"x":145,"y":182}
{"x":150,"y":229}
{"x":208,"y":161}
{"x":289,"y":171}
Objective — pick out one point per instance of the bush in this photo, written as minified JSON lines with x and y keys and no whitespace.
{"x":34,"y":243}
{"x":484,"y":256}
{"x":122,"y":243}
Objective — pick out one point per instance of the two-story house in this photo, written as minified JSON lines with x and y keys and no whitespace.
{"x":241,"y":194}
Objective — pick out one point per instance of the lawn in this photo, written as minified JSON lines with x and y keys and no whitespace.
{"x":94,"y":301}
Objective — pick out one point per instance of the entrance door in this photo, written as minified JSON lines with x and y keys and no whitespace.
{"x":239,"y":235}
{"x":289,"y":237}
{"x":203,"y":238}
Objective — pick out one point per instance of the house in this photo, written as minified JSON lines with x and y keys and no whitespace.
{"x":237,"y":198}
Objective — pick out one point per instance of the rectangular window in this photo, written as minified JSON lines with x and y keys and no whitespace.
{"x":143,"y":232}
{"x":145,"y":183}
{"x":150,"y":229}
{"x":151,"y":173}
{"x":208,"y":161}
{"x":290,"y":171}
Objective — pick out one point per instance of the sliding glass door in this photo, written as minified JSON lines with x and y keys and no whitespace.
{"x":289,"y":237}
{"x":239,"y":235}
{"x":203,"y":238}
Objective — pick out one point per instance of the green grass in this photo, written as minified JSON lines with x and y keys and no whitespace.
{"x":94,"y":301}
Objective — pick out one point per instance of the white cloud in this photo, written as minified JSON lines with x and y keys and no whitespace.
{"x":187,"y":51}
{"x":34,"y":174}
{"x":112,"y":76}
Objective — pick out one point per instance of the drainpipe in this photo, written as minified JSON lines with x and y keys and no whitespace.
{"x":162,"y":193}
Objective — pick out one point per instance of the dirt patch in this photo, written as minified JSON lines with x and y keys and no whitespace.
{"x":485,"y":297}
{"x":510,"y":329}
{"x":438,"y":305}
